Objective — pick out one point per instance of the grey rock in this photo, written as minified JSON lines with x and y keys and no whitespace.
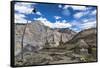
{"x":37,"y":34}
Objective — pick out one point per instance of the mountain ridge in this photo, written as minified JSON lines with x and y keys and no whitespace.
{"x":37,"y":34}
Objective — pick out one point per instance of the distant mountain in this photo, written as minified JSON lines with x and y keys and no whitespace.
{"x":89,"y":35}
{"x":37,"y":34}
{"x":84,"y":39}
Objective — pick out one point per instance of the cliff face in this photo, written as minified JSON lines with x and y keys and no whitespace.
{"x":37,"y":34}
{"x":86,"y":40}
{"x":44,"y":45}
{"x":88,"y":35}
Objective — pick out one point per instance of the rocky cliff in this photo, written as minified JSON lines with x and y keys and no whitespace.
{"x":37,"y":34}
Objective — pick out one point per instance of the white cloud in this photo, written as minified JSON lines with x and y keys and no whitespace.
{"x":44,"y":21}
{"x":85,"y":24}
{"x":66,"y":6}
{"x":75,"y":7}
{"x":57,"y":17}
{"x":66,"y":12}
{"x":64,"y":21}
{"x":89,"y":24}
{"x":94,"y":12}
{"x":57,"y":24}
{"x":38,"y":13}
{"x":83,"y":13}
{"x":19,"y":18}
{"x":88,"y":20}
{"x":19,"y":15}
{"x":76,"y":29}
{"x":79,"y":7}
{"x":60,"y":6}
{"x":77,"y":15}
{"x":80,"y":14}
{"x":85,"y":20}
{"x":24,"y":7}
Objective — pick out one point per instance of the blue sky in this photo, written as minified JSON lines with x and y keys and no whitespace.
{"x":74,"y":17}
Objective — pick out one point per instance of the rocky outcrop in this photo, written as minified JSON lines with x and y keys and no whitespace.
{"x":43,"y":45}
{"x":84,"y":40}
{"x":37,"y":34}
{"x":88,"y":35}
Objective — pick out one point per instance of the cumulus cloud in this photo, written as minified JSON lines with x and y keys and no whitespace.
{"x":57,"y":24}
{"x":88,"y":12}
{"x":85,"y":20}
{"x":44,"y":21}
{"x":80,"y":14}
{"x":64,"y":21}
{"x":75,"y":7}
{"x":79,"y":7}
{"x":38,"y":13}
{"x":19,"y":15}
{"x":60,"y":6}
{"x":66,"y":12}
{"x":57,"y":17}
{"x":24,"y":7}
{"x":83,"y":24}
{"x":94,"y":12}
{"x":89,"y":24}
{"x":66,"y":6}
{"x":20,"y":18}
